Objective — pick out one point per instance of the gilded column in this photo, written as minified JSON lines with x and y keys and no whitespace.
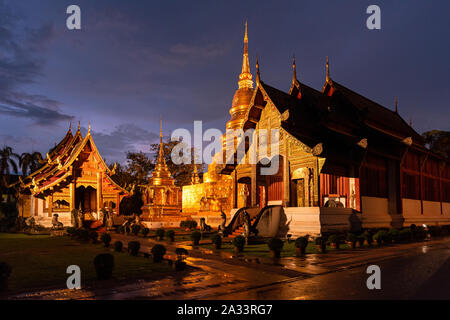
{"x":99,"y":192}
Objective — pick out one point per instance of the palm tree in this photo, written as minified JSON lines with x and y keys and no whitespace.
{"x":7,"y":164}
{"x":30,"y":162}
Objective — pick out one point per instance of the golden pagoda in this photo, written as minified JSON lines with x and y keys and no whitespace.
{"x":216,"y":193}
{"x":161,"y":197}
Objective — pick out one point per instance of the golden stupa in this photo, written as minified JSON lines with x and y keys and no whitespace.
{"x":216,"y":194}
{"x":161,"y":197}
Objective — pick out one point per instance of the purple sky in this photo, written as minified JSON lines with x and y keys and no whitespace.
{"x":134,"y":61}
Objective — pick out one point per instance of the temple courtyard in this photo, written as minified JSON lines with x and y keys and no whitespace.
{"x":223,"y":274}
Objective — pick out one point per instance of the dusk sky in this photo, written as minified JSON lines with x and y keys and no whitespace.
{"x":134,"y":61}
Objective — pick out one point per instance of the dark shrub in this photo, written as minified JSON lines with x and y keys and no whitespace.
{"x":145,"y":231}
{"x":190,"y":224}
{"x":170,"y":234}
{"x":195,"y":237}
{"x":321,"y":243}
{"x":301,"y":242}
{"x":121,"y":229}
{"x":239,"y":243}
{"x":380,"y":237}
{"x":275,"y":245}
{"x":135,"y":229}
{"x":334,"y":240}
{"x":104,"y":265}
{"x":434,"y":231}
{"x":5,"y":272}
{"x":133,"y":247}
{"x":405,"y":234}
{"x":368,"y":237}
{"x":106,"y":239}
{"x":71,"y":231}
{"x":158,"y":252}
{"x":93,"y":236}
{"x":419,"y":233}
{"x":181,"y":253}
{"x":118,"y":246}
{"x":160,"y":233}
{"x":393,"y":235}
{"x":217,"y":241}
{"x":351,"y":239}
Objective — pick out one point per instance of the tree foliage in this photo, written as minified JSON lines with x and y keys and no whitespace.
{"x":438,"y":142}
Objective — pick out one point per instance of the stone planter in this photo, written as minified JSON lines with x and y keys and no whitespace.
{"x":351,"y":244}
{"x":300,"y":251}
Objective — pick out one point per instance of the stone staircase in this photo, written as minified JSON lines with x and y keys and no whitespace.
{"x":240,"y":230}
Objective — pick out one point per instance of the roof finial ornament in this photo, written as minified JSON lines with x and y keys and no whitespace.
{"x":89,"y":130}
{"x":79,"y":124}
{"x":328,"y":71}
{"x":70,"y":126}
{"x":294,"y":77}
{"x":396,"y":105}
{"x":410,"y":122}
{"x":245,"y":78}
{"x":258,"y":78}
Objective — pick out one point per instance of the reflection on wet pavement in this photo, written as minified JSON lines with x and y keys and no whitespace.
{"x":335,"y":275}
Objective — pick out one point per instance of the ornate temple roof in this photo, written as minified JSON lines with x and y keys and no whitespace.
{"x":59,"y":164}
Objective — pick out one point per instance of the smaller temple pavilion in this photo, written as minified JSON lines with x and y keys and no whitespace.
{"x":74,"y":176}
{"x":161,"y":197}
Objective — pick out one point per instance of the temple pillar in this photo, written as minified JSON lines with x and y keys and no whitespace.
{"x":253,"y":187}
{"x":99,"y":193}
{"x":50,"y":205}
{"x":72,"y":195}
{"x":118,"y":203}
{"x":286,"y":181}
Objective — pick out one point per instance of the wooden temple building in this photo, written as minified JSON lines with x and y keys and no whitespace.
{"x":74,"y":176}
{"x":161,"y":197}
{"x":340,"y":157}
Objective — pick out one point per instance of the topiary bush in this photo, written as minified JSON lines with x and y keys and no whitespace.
{"x":239,"y":243}
{"x":405,"y":235}
{"x":195,"y":237}
{"x":321,"y":244}
{"x":334,"y":241}
{"x":393,"y":235}
{"x":380,"y":237}
{"x":300,"y":245}
{"x":104,"y":265}
{"x":170,"y":234}
{"x":71,"y":231}
{"x":106,"y":239}
{"x":145,"y":231}
{"x":275,"y":245}
{"x":351,"y":239}
{"x":5,"y":272}
{"x":217,"y":241}
{"x":133,"y":247}
{"x":160,"y":233}
{"x":118,"y":246}
{"x":158,"y":252}
{"x":135,"y":229}
{"x":188,"y":224}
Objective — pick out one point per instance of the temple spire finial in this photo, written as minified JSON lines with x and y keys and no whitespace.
{"x":396,"y":105}
{"x":70,"y":126}
{"x":328,"y":71}
{"x":258,"y":77}
{"x":294,"y":76}
{"x":89,"y":130}
{"x":245,"y":78}
{"x":79,"y":125}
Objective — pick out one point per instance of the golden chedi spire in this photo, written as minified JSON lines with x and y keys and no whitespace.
{"x":161,"y":174}
{"x":328,"y":72}
{"x":243,"y":95}
{"x":294,"y":73}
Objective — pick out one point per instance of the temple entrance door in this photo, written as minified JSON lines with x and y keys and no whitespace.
{"x":244,"y":192}
{"x":298,"y":192}
{"x":86,"y":199}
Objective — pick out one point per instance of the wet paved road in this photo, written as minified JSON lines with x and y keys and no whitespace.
{"x":408,"y":271}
